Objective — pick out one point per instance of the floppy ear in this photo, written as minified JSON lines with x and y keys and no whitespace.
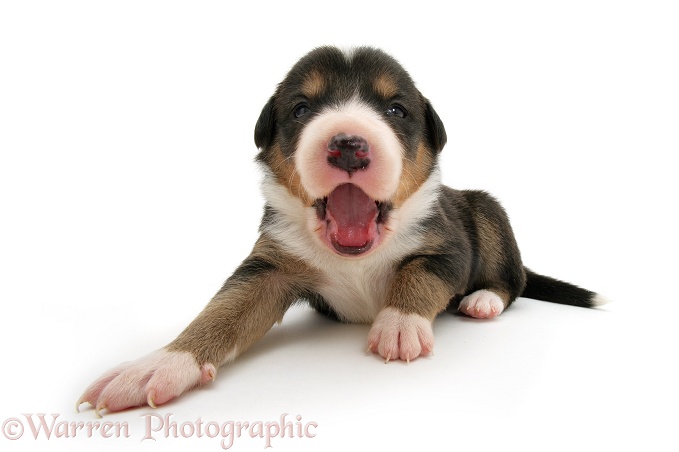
{"x":436,"y":133}
{"x":266,"y":125}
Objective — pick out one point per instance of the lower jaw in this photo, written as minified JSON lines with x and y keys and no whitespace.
{"x":351,"y":250}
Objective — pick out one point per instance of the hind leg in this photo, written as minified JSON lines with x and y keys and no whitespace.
{"x":500,"y":277}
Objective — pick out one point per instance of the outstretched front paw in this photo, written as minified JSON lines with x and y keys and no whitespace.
{"x":154,"y":379}
{"x":395,"y":335}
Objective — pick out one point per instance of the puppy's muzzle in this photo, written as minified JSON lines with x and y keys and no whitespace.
{"x":348,"y":152}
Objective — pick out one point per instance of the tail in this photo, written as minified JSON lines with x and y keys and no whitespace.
{"x":544,"y":288}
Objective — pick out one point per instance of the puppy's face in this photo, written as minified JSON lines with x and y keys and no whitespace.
{"x":352,"y":138}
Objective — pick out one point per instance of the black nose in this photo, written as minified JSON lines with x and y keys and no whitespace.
{"x":348,"y":152}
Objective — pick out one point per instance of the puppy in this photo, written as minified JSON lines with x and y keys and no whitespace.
{"x":356,"y":223}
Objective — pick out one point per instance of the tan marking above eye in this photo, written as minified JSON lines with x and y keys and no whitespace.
{"x":313,"y":85}
{"x":385,"y":86}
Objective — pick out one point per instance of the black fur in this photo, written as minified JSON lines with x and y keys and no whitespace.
{"x":436,"y":132}
{"x":545,"y":288}
{"x":265,"y":129}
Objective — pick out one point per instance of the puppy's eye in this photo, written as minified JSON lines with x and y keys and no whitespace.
{"x":396,"y":110}
{"x":301,"y":110}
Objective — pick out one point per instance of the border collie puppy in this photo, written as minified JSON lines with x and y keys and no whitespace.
{"x":356,"y":223}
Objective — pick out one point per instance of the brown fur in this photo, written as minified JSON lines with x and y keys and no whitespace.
{"x":385,"y":86}
{"x":415,"y":290}
{"x":414,"y":174}
{"x":286,"y":174}
{"x":248,"y":304}
{"x":314,"y":84}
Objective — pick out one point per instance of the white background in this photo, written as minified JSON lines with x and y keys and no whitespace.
{"x":128,"y":193}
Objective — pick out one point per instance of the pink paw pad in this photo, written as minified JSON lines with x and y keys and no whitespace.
{"x":482,"y":304}
{"x":154,"y":380}
{"x":395,"y":335}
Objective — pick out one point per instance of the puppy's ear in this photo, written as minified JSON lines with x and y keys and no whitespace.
{"x":435,"y":131}
{"x":265,"y":130}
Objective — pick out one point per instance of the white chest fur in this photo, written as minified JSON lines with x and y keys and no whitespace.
{"x":357,"y":290}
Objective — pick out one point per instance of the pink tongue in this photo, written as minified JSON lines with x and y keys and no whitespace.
{"x":354,"y":212}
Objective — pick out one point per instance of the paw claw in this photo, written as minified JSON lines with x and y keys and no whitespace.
{"x":98,"y":408}
{"x":150,"y":399}
{"x":208,"y":373}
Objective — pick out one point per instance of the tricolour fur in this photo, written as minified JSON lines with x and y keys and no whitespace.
{"x":356,"y":223}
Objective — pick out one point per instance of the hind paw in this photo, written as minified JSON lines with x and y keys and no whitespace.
{"x":482,"y":304}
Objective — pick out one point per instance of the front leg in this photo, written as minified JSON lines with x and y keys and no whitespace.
{"x":402,"y":330}
{"x":250,"y":302}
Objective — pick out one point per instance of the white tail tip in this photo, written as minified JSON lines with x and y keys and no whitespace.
{"x":599,"y":300}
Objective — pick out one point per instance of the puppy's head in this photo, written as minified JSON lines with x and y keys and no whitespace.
{"x":351,"y":137}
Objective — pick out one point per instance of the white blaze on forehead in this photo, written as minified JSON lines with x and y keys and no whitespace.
{"x":379,"y":180}
{"x":348,"y":53}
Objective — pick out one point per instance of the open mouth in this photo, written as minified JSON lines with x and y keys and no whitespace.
{"x":351,"y":221}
